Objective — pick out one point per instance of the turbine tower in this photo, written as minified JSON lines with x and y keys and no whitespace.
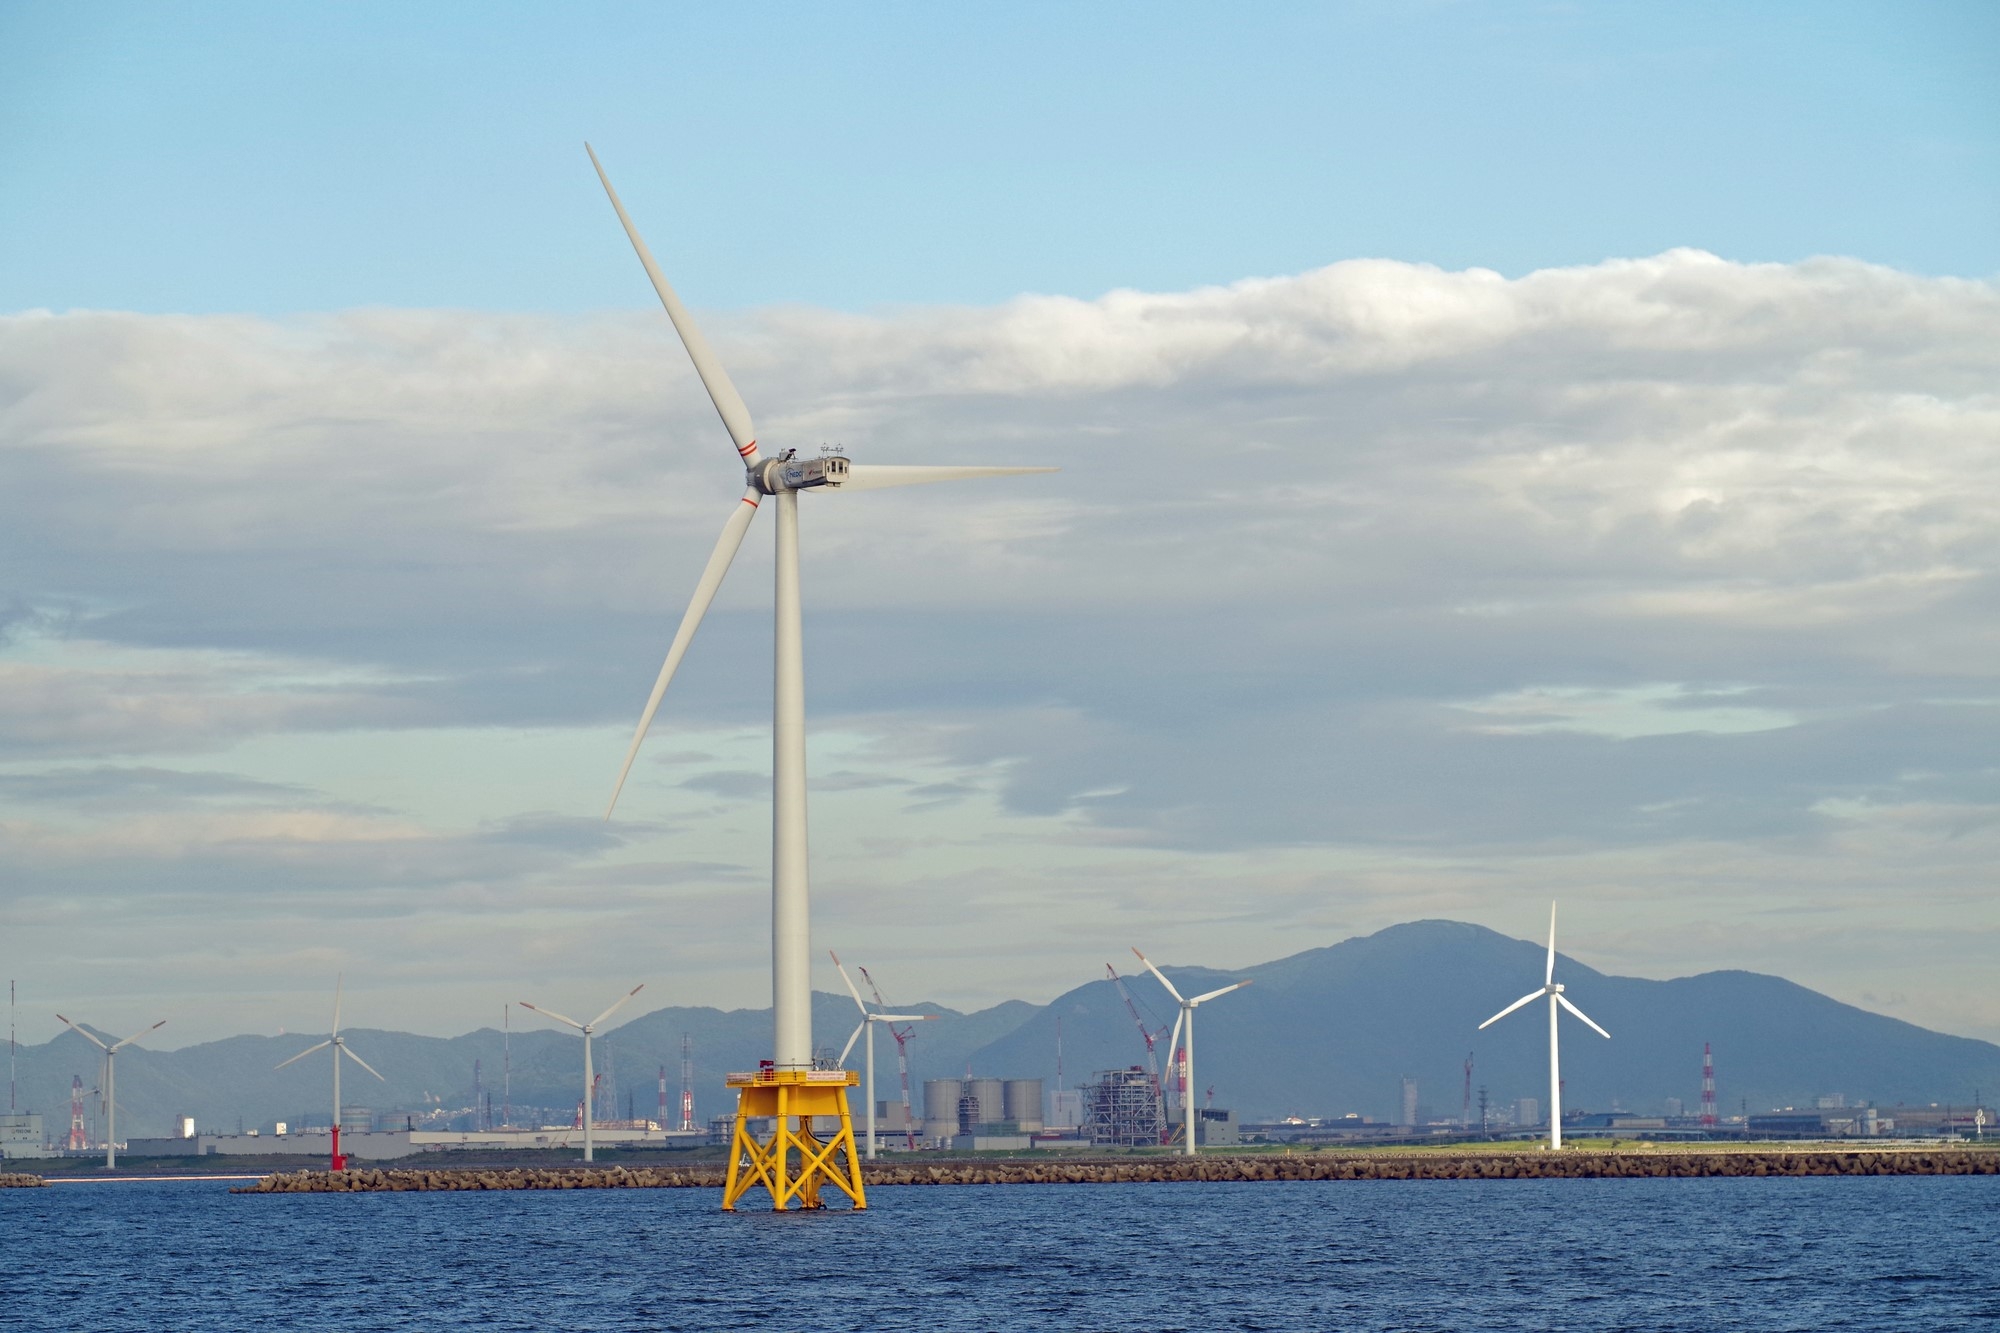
{"x":1553,"y":989}
{"x":787,"y":1089}
{"x":340,"y":1047}
{"x":589,"y":1081}
{"x":111,"y":1087}
{"x":868,"y":1022}
{"x":1186,"y":1018}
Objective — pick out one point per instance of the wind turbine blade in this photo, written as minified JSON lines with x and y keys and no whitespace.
{"x":849,"y":980}
{"x":1531,"y":995}
{"x":338,"y":979}
{"x":1174,"y":1042}
{"x":93,"y":1036}
{"x":704,"y":593}
{"x":852,"y":1037}
{"x":135,"y":1036}
{"x":303,"y":1054}
{"x":881,"y":476}
{"x":349,"y":1053}
{"x":900,"y":1018}
{"x":1563,"y":1000}
{"x":728,"y":403}
{"x":1203,"y":999}
{"x":617,"y":1003}
{"x":1161,"y":975}
{"x":1550,"y":974}
{"x":550,"y":1013}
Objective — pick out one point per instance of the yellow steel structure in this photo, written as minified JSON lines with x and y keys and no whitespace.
{"x":792,"y":1099}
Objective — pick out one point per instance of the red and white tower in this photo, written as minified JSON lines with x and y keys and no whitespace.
{"x":687,"y":1085}
{"x":662,"y":1112}
{"x":1707,"y":1087}
{"x":78,"y":1140}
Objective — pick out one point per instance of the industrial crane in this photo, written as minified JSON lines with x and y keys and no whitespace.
{"x":902,"y":1034}
{"x":1150,"y":1037}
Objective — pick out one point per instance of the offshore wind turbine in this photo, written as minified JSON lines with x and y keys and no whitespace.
{"x":589,"y":1083}
{"x":111,"y":1086}
{"x":788,"y":1089}
{"x":340,"y":1048}
{"x":1186,"y":1017}
{"x":867,"y":1024}
{"x":1554,"y":990}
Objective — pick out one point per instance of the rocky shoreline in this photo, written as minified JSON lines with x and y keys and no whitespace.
{"x":18,"y":1181}
{"x":1652,"y":1164}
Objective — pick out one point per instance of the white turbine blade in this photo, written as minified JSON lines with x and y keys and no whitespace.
{"x":1202,"y":999}
{"x":338,"y":979}
{"x":852,"y":1037}
{"x":849,"y":980}
{"x":704,"y":593}
{"x":1531,"y":995}
{"x":617,"y":1003}
{"x":550,"y":1013}
{"x":344,"y":1050}
{"x":728,"y":403}
{"x":1563,"y":1000}
{"x":1550,"y":975}
{"x":1161,"y":975}
{"x":1174,"y":1042}
{"x":93,"y":1036}
{"x":135,"y":1036}
{"x":900,"y":1018}
{"x":881,"y":476}
{"x":303,"y":1054}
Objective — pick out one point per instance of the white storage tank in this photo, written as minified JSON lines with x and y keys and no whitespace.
{"x":1023,"y":1102}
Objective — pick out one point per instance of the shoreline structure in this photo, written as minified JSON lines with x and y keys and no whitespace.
{"x":1569,"y":1165}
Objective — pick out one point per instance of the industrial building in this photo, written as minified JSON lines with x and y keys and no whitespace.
{"x":21,"y":1136}
{"x":1122,"y":1109}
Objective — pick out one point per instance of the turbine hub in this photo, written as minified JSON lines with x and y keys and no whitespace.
{"x":1555,"y":988}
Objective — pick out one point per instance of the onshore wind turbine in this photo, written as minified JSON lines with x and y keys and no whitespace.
{"x":1186,"y":1017}
{"x":589,"y":1084}
{"x":868,"y":1022}
{"x":111,"y":1086}
{"x":340,"y":1048}
{"x":1553,"y":989}
{"x":788,"y":1089}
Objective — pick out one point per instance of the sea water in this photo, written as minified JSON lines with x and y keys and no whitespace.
{"x":1881,"y":1254}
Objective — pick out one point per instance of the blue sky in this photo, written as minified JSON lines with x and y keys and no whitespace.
{"x":203,"y":157}
{"x":1507,"y":452}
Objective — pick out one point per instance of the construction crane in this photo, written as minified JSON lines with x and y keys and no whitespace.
{"x":1150,"y":1037}
{"x":902,"y":1033}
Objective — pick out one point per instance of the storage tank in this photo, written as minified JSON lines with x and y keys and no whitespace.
{"x":990,"y":1095}
{"x":1023,"y":1101}
{"x":941,"y":1107}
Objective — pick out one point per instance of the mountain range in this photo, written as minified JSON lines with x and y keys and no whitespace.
{"x":1327,"y":1032}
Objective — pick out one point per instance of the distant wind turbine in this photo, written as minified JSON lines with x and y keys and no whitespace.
{"x":867,"y":1024}
{"x":589,"y":1083}
{"x":111,"y":1086}
{"x":1186,"y":1018}
{"x":340,"y":1048}
{"x":1553,"y":989}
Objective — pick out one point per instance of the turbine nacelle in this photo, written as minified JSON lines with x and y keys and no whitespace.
{"x":798,"y":474}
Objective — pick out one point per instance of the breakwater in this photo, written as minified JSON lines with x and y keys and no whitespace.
{"x":1171,"y":1170}
{"x":16,"y":1180}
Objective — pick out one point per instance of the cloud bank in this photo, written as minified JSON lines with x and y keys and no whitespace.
{"x":1373,"y":592}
